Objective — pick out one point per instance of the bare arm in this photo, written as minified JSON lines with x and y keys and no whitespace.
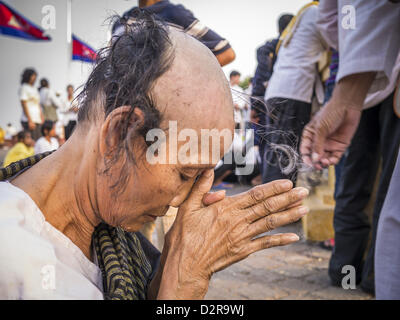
{"x":329,"y":133}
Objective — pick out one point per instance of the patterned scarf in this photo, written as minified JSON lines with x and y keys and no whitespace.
{"x":123,"y":263}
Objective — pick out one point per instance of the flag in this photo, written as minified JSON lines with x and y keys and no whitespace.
{"x":81,"y":51}
{"x":14,"y":24}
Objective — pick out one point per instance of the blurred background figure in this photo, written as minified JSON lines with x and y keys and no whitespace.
{"x":293,"y":86}
{"x":49,"y":101}
{"x":266,"y":57}
{"x":22,"y":149}
{"x":32,"y":116}
{"x":239,"y":101}
{"x":11,"y":131}
{"x":70,"y":114}
{"x":47,"y":142}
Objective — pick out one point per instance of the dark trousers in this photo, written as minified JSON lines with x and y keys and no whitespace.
{"x":377,"y":137}
{"x":35,"y":133}
{"x":285,"y":121}
{"x":69,"y":129}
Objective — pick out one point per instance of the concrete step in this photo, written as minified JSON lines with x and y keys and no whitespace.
{"x":318,"y":223}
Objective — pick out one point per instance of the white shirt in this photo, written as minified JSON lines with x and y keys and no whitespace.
{"x":68,"y":115}
{"x":42,"y":145}
{"x":36,"y":260}
{"x":238,"y":98}
{"x":374,"y":98}
{"x":295,"y":70}
{"x":30,"y":94}
{"x":371,"y":46}
{"x":48,"y":98}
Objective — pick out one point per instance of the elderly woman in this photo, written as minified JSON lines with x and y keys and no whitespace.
{"x":68,"y":222}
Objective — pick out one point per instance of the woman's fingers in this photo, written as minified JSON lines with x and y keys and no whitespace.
{"x":200,"y":188}
{"x":280,"y":239}
{"x":277,"y":220}
{"x":260,"y":193}
{"x":212,"y":197}
{"x":274,"y":204}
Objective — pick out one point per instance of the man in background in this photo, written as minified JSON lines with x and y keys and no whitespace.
{"x":266,"y":57}
{"x":239,"y":102}
{"x":292,"y":87}
{"x":359,"y":120}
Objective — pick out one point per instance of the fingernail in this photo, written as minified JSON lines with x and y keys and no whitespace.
{"x":303,"y":210}
{"x":315,"y":157}
{"x":294,"y":237}
{"x":287,"y":184}
{"x":302,"y":192}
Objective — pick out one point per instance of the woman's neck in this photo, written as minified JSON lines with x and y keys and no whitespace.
{"x":62,"y":186}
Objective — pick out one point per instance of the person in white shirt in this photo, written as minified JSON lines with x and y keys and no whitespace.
{"x":359,"y":121}
{"x":32,"y":116}
{"x":49,"y":101}
{"x":290,"y":92}
{"x":238,"y":98}
{"x":47,"y":142}
{"x":70,"y":114}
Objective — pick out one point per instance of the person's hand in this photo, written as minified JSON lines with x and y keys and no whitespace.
{"x":330,"y":131}
{"x":328,"y":134}
{"x":206,"y":239}
{"x":31,"y":125}
{"x":213,"y":197}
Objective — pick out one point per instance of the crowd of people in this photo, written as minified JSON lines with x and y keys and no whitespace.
{"x":322,"y":95}
{"x":47,"y":119}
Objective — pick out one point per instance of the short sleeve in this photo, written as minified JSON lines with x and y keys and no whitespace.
{"x":373,"y":44}
{"x":23,"y":93}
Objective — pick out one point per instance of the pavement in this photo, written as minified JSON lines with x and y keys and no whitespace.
{"x":297,"y":271}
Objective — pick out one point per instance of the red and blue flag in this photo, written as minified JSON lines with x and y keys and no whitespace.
{"x":14,"y":24}
{"x":82,"y":51}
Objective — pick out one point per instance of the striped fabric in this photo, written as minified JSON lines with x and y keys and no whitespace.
{"x":123,"y":263}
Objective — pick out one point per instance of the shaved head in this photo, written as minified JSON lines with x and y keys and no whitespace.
{"x":194,"y":91}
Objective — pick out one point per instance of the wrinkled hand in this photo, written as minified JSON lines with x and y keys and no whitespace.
{"x":206,"y":239}
{"x":328,"y":134}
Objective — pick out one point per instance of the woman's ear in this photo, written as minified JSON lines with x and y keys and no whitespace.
{"x":114,"y":126}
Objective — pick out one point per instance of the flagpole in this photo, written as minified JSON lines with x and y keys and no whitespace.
{"x":69,"y":38}
{"x":69,"y":21}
